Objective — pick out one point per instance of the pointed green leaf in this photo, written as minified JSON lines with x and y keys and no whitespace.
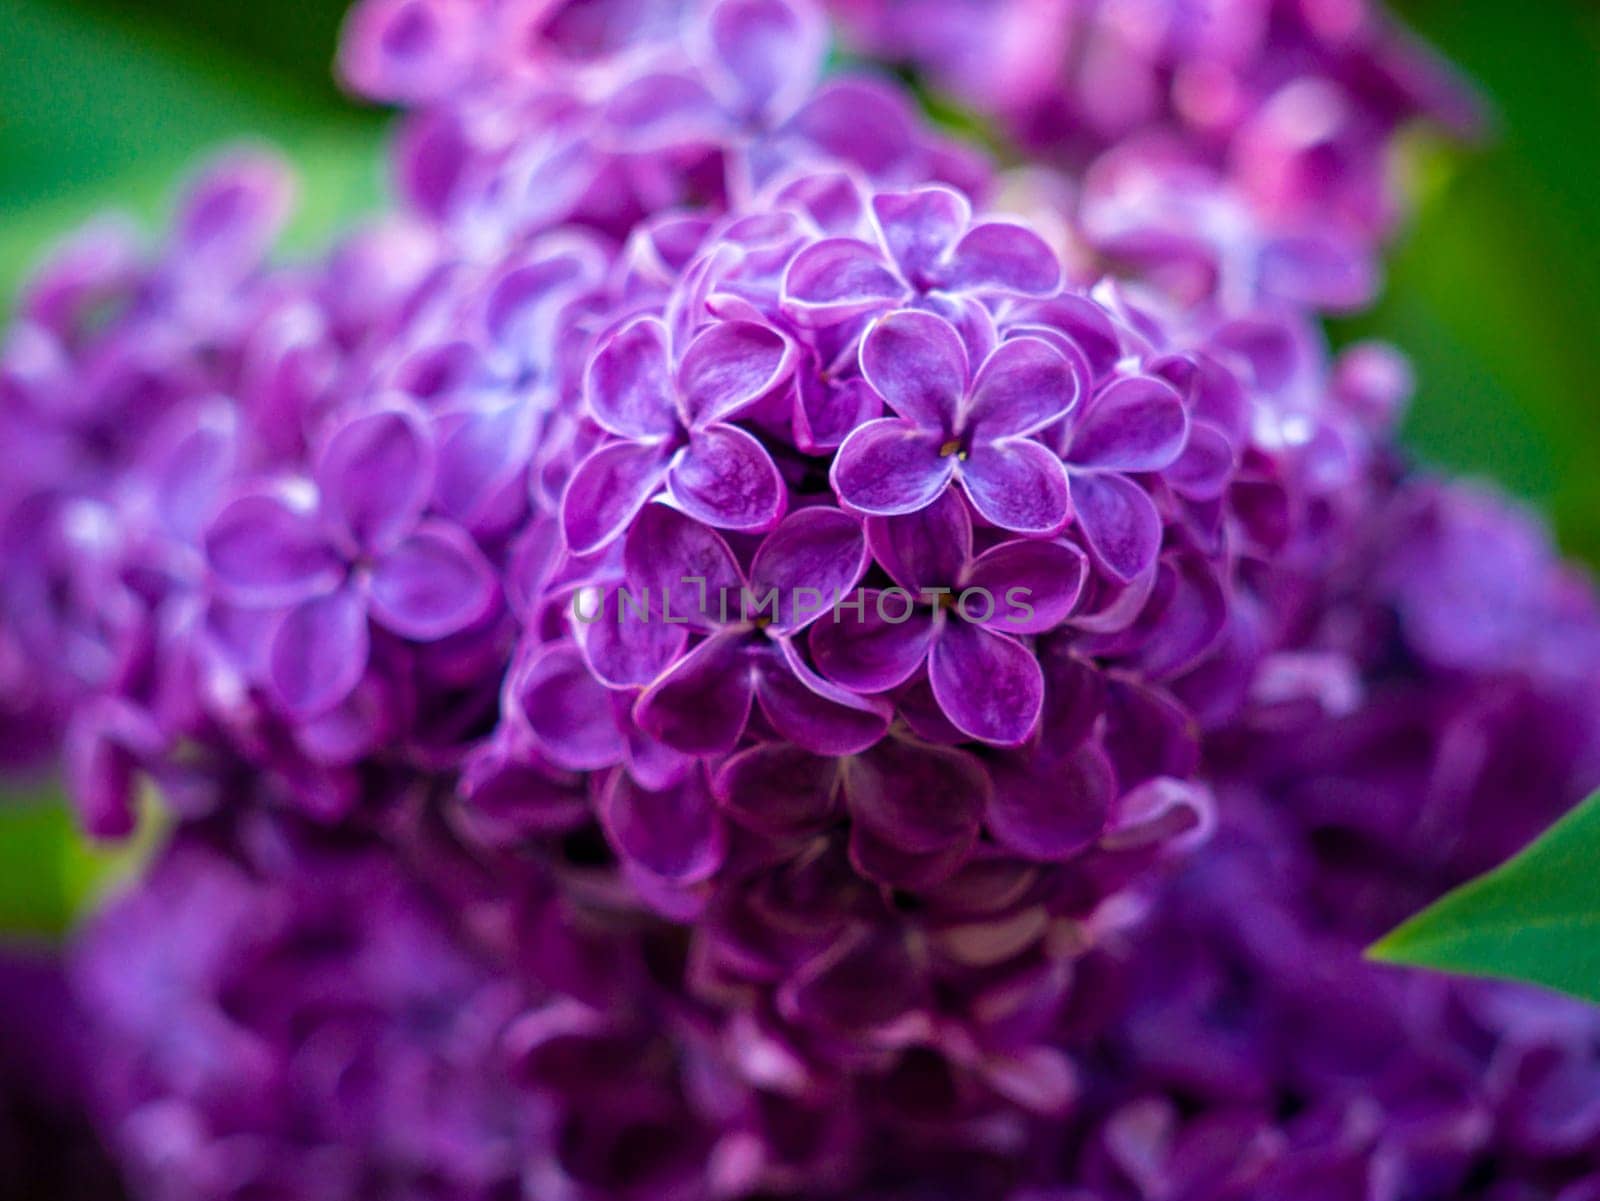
{"x":1536,"y":918}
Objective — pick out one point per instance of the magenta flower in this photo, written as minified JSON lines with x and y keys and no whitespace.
{"x":957,"y":426}
{"x":924,"y":241}
{"x":959,"y":613}
{"x":360,"y":548}
{"x":670,"y":426}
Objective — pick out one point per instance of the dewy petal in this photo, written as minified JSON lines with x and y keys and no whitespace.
{"x":920,"y":227}
{"x":730,"y":365}
{"x":812,"y":712}
{"x":876,"y":651}
{"x":375,"y":476}
{"x":265,"y":550}
{"x":1025,"y":385}
{"x":1018,"y":485}
{"x":701,"y":705}
{"x":926,"y":549}
{"x":625,"y":641}
{"x":998,"y":256}
{"x":889,"y":467}
{"x":628,"y":384}
{"x":319,"y":653}
{"x":607,"y":491}
{"x":435,"y":583}
{"x":1051,"y":805}
{"x":675,"y":834}
{"x":917,"y":362}
{"x":769,"y":51}
{"x":777,"y":789}
{"x":988,"y":685}
{"x":1119,"y":521}
{"x":1030,"y":586}
{"x":837,"y":279}
{"x":917,"y":797}
{"x":726,"y":478}
{"x":1136,"y":424}
{"x":812,"y":560}
{"x":682,"y":570}
{"x":567,"y":711}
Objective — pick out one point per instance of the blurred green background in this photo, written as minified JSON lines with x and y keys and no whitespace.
{"x":1494,"y":289}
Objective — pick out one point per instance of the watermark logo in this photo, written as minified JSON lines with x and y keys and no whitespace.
{"x":796,"y":606}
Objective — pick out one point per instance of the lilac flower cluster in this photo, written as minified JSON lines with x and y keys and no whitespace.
{"x":556,"y":617}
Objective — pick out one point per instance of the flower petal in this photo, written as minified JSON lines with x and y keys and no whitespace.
{"x":375,"y":476}
{"x":681,"y":571}
{"x":624,"y":642}
{"x":1119,"y":521}
{"x":607,"y":491}
{"x":999,"y":256}
{"x":730,"y":365}
{"x":917,"y":362}
{"x":836,"y":279}
{"x":778,"y":789}
{"x":812,"y":712}
{"x":726,"y":478}
{"x":675,"y":834}
{"x":1032,"y":586}
{"x":988,"y":685}
{"x":873,"y":652}
{"x":701,"y":705}
{"x":876,"y":858}
{"x":919,"y":227}
{"x":628,"y":383}
{"x":1136,"y":424}
{"x":915,"y":796}
{"x":482,"y":451}
{"x":1025,"y":385}
{"x":1018,"y":485}
{"x":1206,"y":466}
{"x":264,"y":549}
{"x":319,"y":653}
{"x":768,"y":52}
{"x":566,"y":710}
{"x":1053,"y":804}
{"x":927,"y":549}
{"x":433,"y":584}
{"x":890,"y":467}
{"x":826,"y":411}
{"x":811,"y":561}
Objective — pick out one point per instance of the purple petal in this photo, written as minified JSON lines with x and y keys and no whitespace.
{"x":1119,"y":521}
{"x":1148,"y":733}
{"x":681,"y":570}
{"x":375,"y":476}
{"x":566,"y":710}
{"x":769,"y":51}
{"x":1018,"y":485}
{"x":660,"y":111}
{"x":920,"y":227}
{"x":628,"y":383}
{"x":1033,"y":586}
{"x":701,"y":705}
{"x":1183,"y":618}
{"x":860,"y":984}
{"x":482,"y":450}
{"x":812,"y":712}
{"x":889,"y":467}
{"x":319,"y":653}
{"x":917,"y":797}
{"x":1136,"y":424}
{"x":1161,"y":810}
{"x":1025,"y":385}
{"x":827,"y":410}
{"x":730,"y":366}
{"x":264,"y":549}
{"x":873,"y":652}
{"x":1051,"y":805}
{"x":988,"y":685}
{"x":625,"y":642}
{"x":726,"y":478}
{"x":917,"y":362}
{"x":876,"y":858}
{"x":778,"y":789}
{"x":812,"y":560}
{"x":1206,"y":466}
{"x":607,"y":491}
{"x":837,"y":279}
{"x":674,"y":834}
{"x":863,"y":123}
{"x":928,"y":549}
{"x":1001,"y":257}
{"x":433,"y":584}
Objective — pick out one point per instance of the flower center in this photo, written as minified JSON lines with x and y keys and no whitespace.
{"x":953,"y":447}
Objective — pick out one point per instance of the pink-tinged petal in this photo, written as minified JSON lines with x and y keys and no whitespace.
{"x":917,"y":797}
{"x":1176,"y":813}
{"x":837,"y":279}
{"x":812,"y":561}
{"x":826,"y":411}
{"x":435,"y":583}
{"x":566,"y":710}
{"x":1018,"y":485}
{"x":1031,"y":586}
{"x":926,"y":549}
{"x":681,"y":570}
{"x":375,"y":476}
{"x":266,"y":549}
{"x":728,"y":367}
{"x":1119,"y":521}
{"x":625,"y":640}
{"x":778,"y":789}
{"x":1039,"y":1079}
{"x":1136,"y":424}
{"x":988,"y":685}
{"x":920,"y":227}
{"x":607,"y":491}
{"x":878,"y":859}
{"x":628,"y":383}
{"x":1053,"y":804}
{"x":1025,"y":385}
{"x":876,"y":651}
{"x":405,"y":50}
{"x":1001,"y":257}
{"x":890,"y":466}
{"x":675,"y":834}
{"x":767,"y":54}
{"x":319,"y":653}
{"x":1206,"y":466}
{"x":814,"y":713}
{"x":701,"y":705}
{"x":726,"y":478}
{"x":917,"y":362}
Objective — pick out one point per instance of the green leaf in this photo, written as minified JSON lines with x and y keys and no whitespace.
{"x":1536,"y":918}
